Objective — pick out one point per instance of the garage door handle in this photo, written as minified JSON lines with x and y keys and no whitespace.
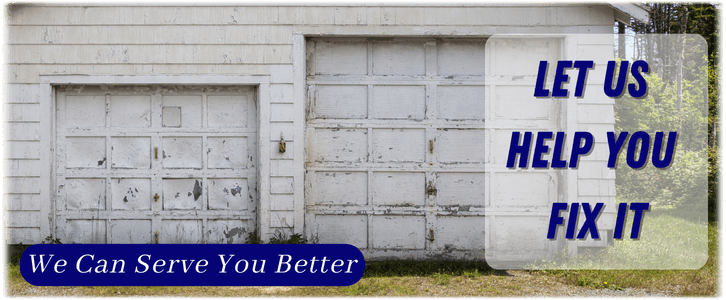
{"x":431,"y":146}
{"x":156,"y":153}
{"x":431,"y":190}
{"x":156,"y":197}
{"x":281,"y":147}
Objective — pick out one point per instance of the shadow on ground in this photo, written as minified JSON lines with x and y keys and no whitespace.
{"x":395,"y":268}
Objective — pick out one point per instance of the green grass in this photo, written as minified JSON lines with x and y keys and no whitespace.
{"x":14,"y":272}
{"x":698,"y":282}
{"x":451,"y":278}
{"x":666,"y":242}
{"x":397,"y":268}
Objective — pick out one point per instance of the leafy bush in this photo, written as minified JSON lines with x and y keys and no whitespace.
{"x":686,"y":183}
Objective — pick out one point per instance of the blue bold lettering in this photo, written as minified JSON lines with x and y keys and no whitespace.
{"x":670,"y":148}
{"x":620,"y":221}
{"x":590,"y":218}
{"x":572,"y":220}
{"x":639,"y":209}
{"x":615,"y":146}
{"x":560,"y":78}
{"x":539,"y":90}
{"x":642,"y":84}
{"x":555,"y":219}
{"x":579,"y":149}
{"x":644,"y":138}
{"x":583,"y":65}
{"x":522,"y":150}
{"x":620,"y":86}
{"x":541,"y":148}
{"x":557,"y":161}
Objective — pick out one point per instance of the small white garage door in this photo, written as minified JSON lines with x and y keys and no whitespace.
{"x":155,"y":164}
{"x":397,"y":143}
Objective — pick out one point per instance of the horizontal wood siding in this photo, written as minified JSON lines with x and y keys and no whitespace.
{"x":546,"y":15}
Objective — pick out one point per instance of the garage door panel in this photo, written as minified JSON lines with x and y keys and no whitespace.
{"x":85,"y":193}
{"x":399,"y":145}
{"x":340,"y":145}
{"x":461,"y":58}
{"x":228,"y":153}
{"x":228,"y":194}
{"x":341,"y":101}
{"x":84,"y":111}
{"x":182,"y":193}
{"x":508,"y":190}
{"x":85,"y":152}
{"x":182,"y":152}
{"x":513,"y":233}
{"x":516,"y":102}
{"x":399,"y":58}
{"x":131,"y":153}
{"x":181,"y":232}
{"x":85,"y":231}
{"x":228,"y":111}
{"x":342,"y":229}
{"x":516,"y":57}
{"x":130,"y":111}
{"x":399,"y":102}
{"x":460,"y":232}
{"x":340,"y":188}
{"x":461,"y":189}
{"x":504,"y":137}
{"x":461,"y":102}
{"x":227,"y":231}
{"x":190,"y":111}
{"x":131,"y":231}
{"x":339,"y":58}
{"x":461,"y":146}
{"x":399,"y":188}
{"x":131,"y":193}
{"x":399,"y":232}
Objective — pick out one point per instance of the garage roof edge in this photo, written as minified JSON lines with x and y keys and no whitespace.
{"x":625,"y":11}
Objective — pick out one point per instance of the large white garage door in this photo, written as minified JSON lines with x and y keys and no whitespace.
{"x":155,"y":164}
{"x":397,"y":145}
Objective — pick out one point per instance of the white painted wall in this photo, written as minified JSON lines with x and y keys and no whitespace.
{"x":197,"y":41}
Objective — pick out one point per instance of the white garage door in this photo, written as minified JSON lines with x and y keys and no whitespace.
{"x":155,"y":164}
{"x":397,"y":145}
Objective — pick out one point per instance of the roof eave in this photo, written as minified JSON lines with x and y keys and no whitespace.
{"x":625,"y":11}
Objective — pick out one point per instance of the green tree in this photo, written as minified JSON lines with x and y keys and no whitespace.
{"x":673,"y":18}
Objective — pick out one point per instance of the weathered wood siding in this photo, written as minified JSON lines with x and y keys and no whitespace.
{"x":218,"y":40}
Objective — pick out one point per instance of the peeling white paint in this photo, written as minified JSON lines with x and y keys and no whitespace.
{"x":123,"y":177}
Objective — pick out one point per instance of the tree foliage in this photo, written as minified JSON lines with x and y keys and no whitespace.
{"x":695,"y":107}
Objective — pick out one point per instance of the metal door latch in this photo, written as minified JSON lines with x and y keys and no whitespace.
{"x":431,"y":234}
{"x":156,"y":197}
{"x":430,"y":189}
{"x":282,"y":144}
{"x":156,"y":153}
